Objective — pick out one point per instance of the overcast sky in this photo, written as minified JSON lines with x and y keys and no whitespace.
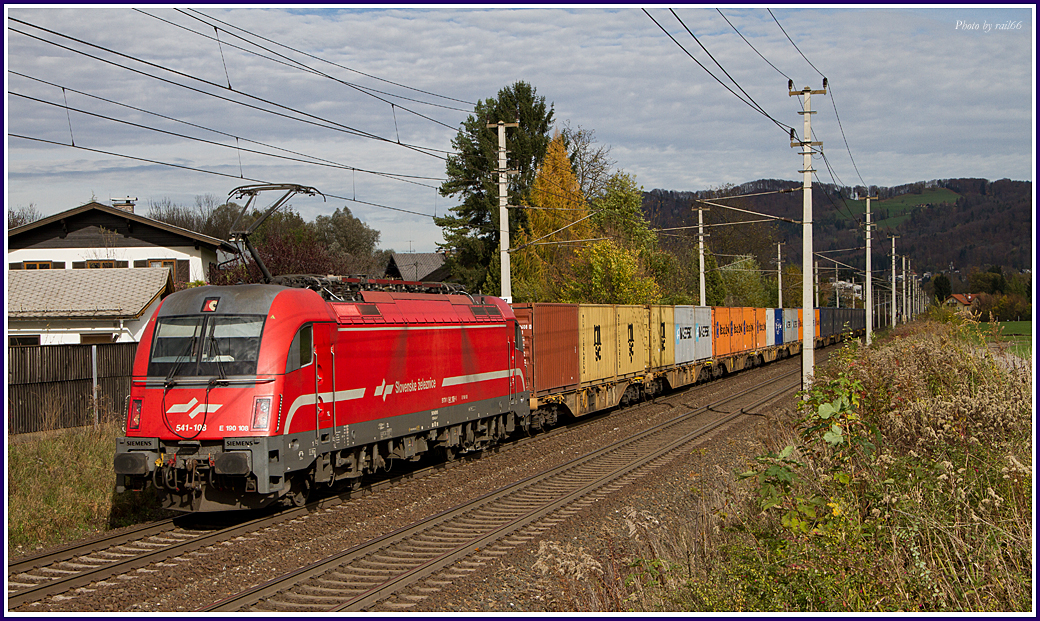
{"x":921,"y":93}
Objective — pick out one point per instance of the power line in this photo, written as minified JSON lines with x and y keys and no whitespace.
{"x":211,"y":142}
{"x":418,"y":90}
{"x":833,"y":103}
{"x":202,"y":170}
{"x":316,"y":160}
{"x":793,"y":43}
{"x":327,"y":124}
{"x":759,"y":107}
{"x":751,"y":46}
{"x":786,"y":128}
{"x":288,"y":62}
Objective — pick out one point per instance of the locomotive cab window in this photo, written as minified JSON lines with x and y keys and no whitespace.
{"x":197,"y":345}
{"x":301,"y":350}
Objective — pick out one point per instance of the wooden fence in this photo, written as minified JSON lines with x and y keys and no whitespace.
{"x":60,"y":386}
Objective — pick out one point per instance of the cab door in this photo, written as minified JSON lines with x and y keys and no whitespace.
{"x":324,"y":395}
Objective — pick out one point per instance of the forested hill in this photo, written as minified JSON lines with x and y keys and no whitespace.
{"x":964,"y":222}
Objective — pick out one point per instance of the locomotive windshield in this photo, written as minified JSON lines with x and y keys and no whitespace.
{"x":206,"y":345}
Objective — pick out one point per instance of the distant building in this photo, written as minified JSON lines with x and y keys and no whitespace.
{"x":961,"y":301}
{"x":418,"y":266}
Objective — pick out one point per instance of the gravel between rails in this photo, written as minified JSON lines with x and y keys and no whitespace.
{"x":509,"y":584}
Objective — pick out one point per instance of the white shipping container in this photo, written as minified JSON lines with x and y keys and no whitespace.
{"x":702,"y":315}
{"x":790,"y":325}
{"x":685,"y":335}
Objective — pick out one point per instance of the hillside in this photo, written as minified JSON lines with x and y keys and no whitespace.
{"x":960,"y":222}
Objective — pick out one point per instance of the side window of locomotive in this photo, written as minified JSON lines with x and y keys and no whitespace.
{"x":519,"y":338}
{"x":301,"y":350}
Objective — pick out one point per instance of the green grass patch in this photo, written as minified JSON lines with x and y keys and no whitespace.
{"x":893,"y":211}
{"x":61,"y":485}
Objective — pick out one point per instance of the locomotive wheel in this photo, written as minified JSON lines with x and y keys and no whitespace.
{"x":300,"y":490}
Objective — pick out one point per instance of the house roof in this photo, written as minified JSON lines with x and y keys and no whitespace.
{"x":196,"y":238}
{"x":417,"y":266}
{"x":113,"y":293}
{"x":965,"y":299}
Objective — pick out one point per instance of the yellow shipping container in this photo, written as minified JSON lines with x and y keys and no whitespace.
{"x":633,"y":339}
{"x":599,"y":348}
{"x":662,"y":336}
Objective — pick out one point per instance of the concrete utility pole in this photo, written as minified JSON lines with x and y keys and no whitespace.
{"x":503,"y":211}
{"x":894,"y":281}
{"x":906,"y":306}
{"x":806,"y":144}
{"x":905,"y":309}
{"x":869,"y":303}
{"x":779,"y":278}
{"x":700,"y":237}
{"x":816,"y":280}
{"x":837,"y":292}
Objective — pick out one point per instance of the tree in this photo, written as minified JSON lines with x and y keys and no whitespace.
{"x":611,"y":275}
{"x":618,"y":214}
{"x":745,"y":285}
{"x":557,"y":215}
{"x":943,"y":288}
{"x":471,"y":230}
{"x":591,"y":163}
{"x":350,"y":242}
{"x":22,"y":216}
{"x":208,"y":216}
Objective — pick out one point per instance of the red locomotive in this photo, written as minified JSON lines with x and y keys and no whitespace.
{"x":248,"y":394}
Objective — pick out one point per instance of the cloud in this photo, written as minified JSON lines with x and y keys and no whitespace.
{"x":918,"y":97}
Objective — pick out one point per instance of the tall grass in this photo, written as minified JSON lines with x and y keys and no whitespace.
{"x":903,"y":484}
{"x":60,"y":487}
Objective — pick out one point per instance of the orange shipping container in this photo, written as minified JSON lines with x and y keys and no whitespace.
{"x":721,"y":330}
{"x":748,"y":316}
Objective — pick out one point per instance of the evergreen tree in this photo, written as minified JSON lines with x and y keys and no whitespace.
{"x":471,"y":230}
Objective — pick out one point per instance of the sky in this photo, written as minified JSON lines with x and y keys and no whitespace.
{"x":166,"y":104}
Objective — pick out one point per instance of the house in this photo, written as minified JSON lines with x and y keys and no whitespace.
{"x":103,"y":236}
{"x":961,"y":301}
{"x":56,"y":306}
{"x":417,"y":266}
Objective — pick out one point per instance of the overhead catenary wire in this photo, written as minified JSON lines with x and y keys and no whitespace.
{"x":367,"y":75}
{"x":202,"y":170}
{"x":286,"y":61}
{"x":326,"y":123}
{"x":310,"y":159}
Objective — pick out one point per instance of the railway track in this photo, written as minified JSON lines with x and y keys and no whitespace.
{"x":35,"y":578}
{"x":370,"y":576}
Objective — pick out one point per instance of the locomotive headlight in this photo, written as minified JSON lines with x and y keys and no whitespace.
{"x":134,"y":421}
{"x":261,"y":413}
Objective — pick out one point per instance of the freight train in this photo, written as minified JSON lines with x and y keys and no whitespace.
{"x":249,"y":395}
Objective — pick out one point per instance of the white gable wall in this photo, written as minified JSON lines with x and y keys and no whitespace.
{"x":198,"y":259}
